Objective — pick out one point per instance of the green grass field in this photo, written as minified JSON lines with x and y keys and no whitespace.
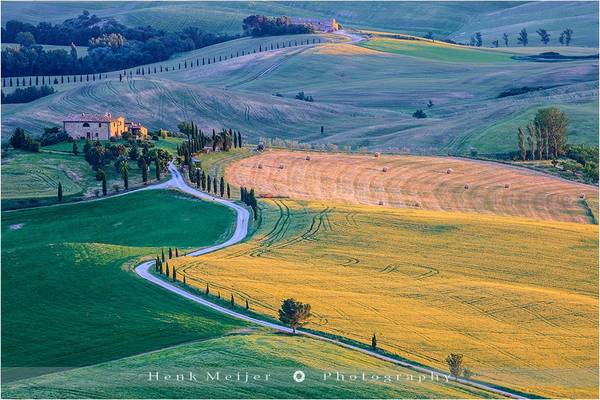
{"x":437,"y":51}
{"x":31,"y":179}
{"x":69,"y":296}
{"x":257,"y":353}
{"x":363,"y":97}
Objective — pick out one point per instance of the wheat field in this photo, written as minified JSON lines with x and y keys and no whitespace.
{"x":430,"y":183}
{"x":517,"y":297}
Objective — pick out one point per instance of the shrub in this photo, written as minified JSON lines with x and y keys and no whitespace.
{"x":419,"y":114}
{"x":53,"y":135}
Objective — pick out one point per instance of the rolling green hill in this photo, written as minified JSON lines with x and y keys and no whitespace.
{"x":364,"y":96}
{"x":256,"y":353}
{"x":68,"y":294}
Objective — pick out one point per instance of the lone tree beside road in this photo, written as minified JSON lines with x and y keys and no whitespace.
{"x":455,"y":364}
{"x":294,"y":313}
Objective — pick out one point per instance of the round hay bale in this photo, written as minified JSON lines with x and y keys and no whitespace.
{"x":377,"y":155}
{"x":307,"y":158}
{"x":582,"y":195}
{"x":449,"y":171}
{"x":507,"y":186}
{"x":281,"y":166}
{"x":259,"y":166}
{"x":466,"y":185}
{"x":417,"y":204}
{"x":385,"y":169}
{"x":380,"y":202}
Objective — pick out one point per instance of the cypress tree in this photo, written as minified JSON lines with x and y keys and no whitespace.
{"x":75,"y":149}
{"x":222,"y":186}
{"x":174,"y":275}
{"x":198,"y":178}
{"x":247,"y":305}
{"x":184,"y":281}
{"x":176,"y":252}
{"x":167,"y":269}
{"x":240,"y":139}
{"x":170,"y":253}
{"x":60,"y":192}
{"x":235,"y":144}
{"x":203,"y":181}
{"x":125,"y":174}
{"x":374,"y":342}
{"x":163,"y":255}
{"x":156,"y":264}
{"x":228,"y":191}
{"x":104,"y":189}
{"x":522,"y":148}
{"x":218,"y":295}
{"x":215,"y":185}
{"x":207,"y":290}
{"x":232,"y":301}
{"x":207,"y":183}
{"x":157,"y":169}
{"x":144,"y":170}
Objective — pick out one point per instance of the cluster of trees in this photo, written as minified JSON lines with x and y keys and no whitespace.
{"x":302,"y":96}
{"x":24,"y":141}
{"x":546,"y":136}
{"x":582,"y":160}
{"x":111,"y":46}
{"x":143,"y":152}
{"x":196,"y":141}
{"x":523,"y":38}
{"x":170,"y":273}
{"x":419,"y":114}
{"x":260,"y":25}
{"x":248,"y":197}
{"x":26,"y":95}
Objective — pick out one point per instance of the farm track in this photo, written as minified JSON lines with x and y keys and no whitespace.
{"x":240,"y":232}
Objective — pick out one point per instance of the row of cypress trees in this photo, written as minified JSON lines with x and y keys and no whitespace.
{"x":140,"y":71}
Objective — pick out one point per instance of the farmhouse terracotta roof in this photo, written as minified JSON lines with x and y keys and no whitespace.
{"x":89,"y":118}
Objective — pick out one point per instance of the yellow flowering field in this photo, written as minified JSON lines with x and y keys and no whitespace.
{"x":517,"y":297}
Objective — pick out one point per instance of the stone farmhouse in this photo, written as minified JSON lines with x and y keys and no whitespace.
{"x":101,"y":127}
{"x":319,"y":25}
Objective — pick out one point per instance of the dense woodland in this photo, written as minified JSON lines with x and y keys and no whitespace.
{"x":111,"y":46}
{"x":259,"y":25}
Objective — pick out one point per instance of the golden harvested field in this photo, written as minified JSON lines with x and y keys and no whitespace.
{"x":518,"y":297}
{"x":414,"y":182}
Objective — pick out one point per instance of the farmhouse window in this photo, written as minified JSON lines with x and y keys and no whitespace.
{"x":99,"y":124}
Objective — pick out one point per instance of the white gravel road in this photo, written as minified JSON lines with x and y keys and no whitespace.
{"x":241,"y":230}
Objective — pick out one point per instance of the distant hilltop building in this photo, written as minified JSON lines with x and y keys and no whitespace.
{"x":319,"y":25}
{"x":101,"y":127}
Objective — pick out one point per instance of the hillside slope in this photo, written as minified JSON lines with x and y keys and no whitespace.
{"x":458,"y":20}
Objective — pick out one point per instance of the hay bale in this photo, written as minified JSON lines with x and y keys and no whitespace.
{"x":507,"y":186}
{"x":385,"y":169}
{"x":377,"y":155}
{"x":582,"y":196}
{"x":259,"y":166}
{"x":281,"y":166}
{"x":417,"y":204}
{"x":307,"y":158}
{"x":466,"y":185}
{"x":449,"y":171}
{"x":380,"y":202}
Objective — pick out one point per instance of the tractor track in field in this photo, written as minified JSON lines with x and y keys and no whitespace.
{"x":239,"y":234}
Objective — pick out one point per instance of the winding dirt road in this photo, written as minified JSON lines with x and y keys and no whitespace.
{"x":241,"y":230}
